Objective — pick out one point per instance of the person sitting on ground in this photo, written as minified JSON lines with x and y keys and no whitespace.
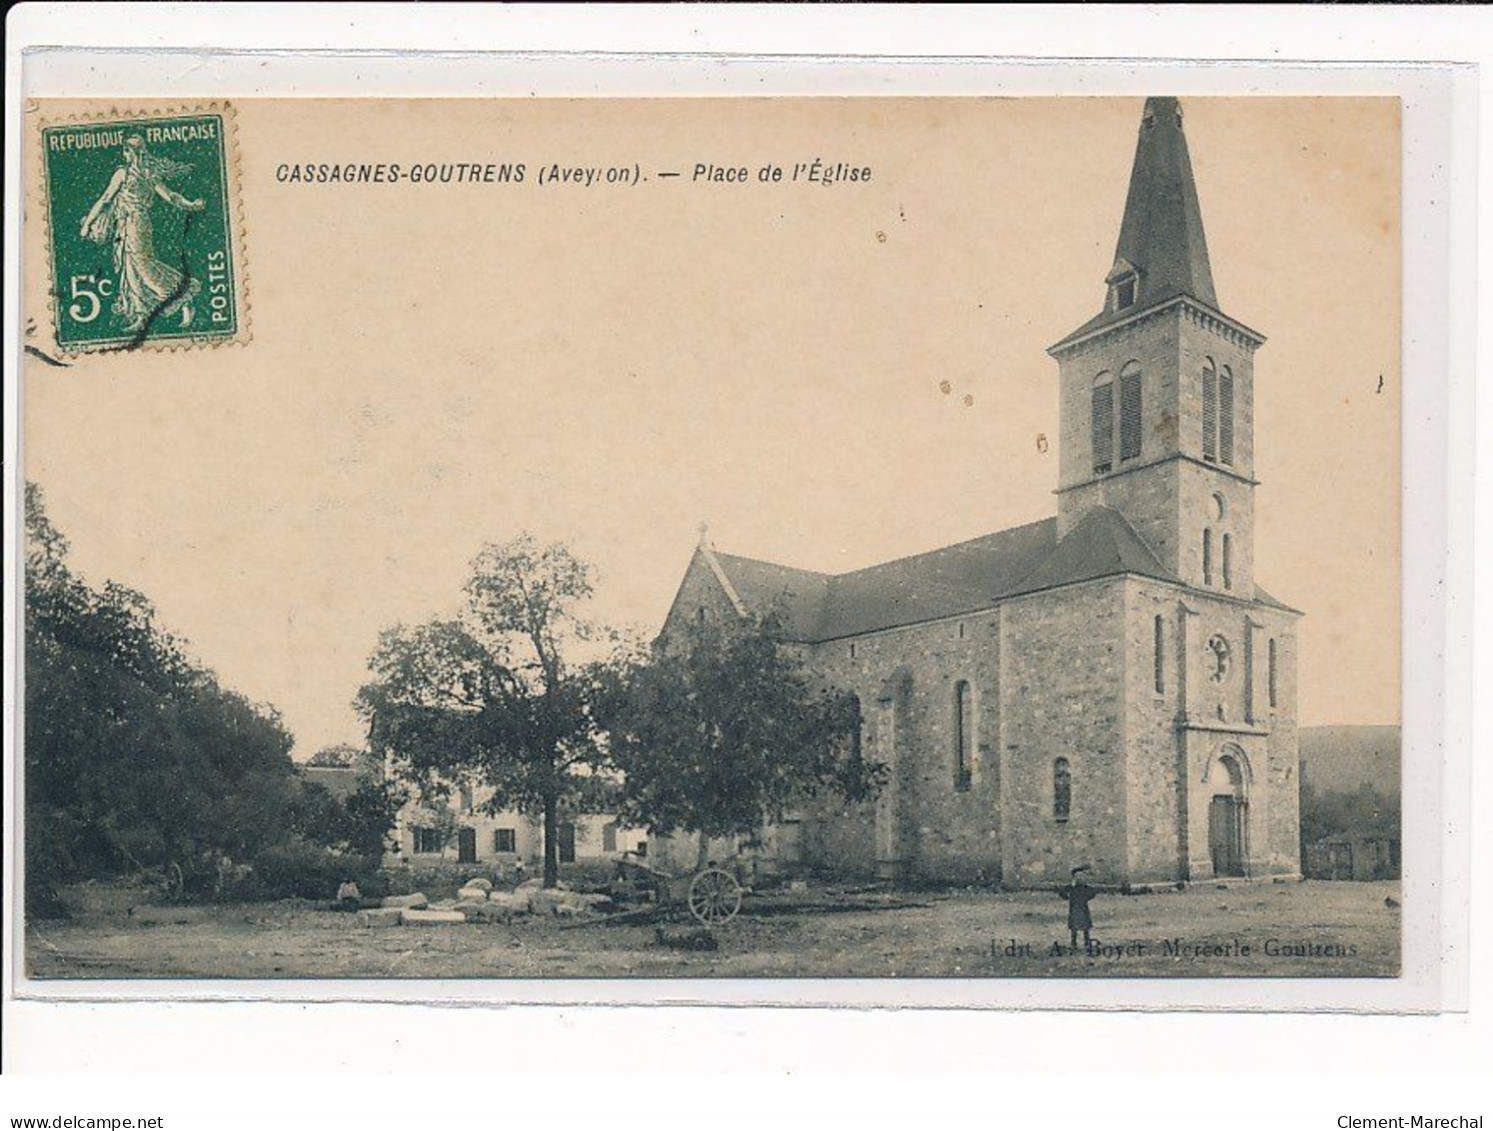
{"x":1078,"y":894}
{"x":349,"y":898}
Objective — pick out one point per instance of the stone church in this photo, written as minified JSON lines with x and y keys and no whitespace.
{"x":1109,"y":686}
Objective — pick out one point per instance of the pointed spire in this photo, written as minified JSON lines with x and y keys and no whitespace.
{"x":1162,"y":253}
{"x":1161,"y":237}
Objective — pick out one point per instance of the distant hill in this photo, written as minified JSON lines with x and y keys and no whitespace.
{"x":1341,"y":758}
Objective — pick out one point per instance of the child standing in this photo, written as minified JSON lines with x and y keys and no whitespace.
{"x":1078,"y":894}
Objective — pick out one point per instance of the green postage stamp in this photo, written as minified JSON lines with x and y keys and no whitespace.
{"x":143,"y":231}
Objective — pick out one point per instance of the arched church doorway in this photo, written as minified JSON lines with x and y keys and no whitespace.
{"x":1227,"y":814}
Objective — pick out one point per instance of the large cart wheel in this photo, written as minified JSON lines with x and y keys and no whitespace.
{"x":714,"y":897}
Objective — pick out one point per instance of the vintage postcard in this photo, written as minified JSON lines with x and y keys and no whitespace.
{"x":755,"y":538}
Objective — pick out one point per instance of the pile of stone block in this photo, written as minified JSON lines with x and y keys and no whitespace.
{"x":477,"y":902}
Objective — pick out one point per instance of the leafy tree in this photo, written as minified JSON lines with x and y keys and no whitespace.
{"x":721,"y":730}
{"x":134,"y":756}
{"x":366,"y":817}
{"x":1362,"y":812}
{"x":489,"y":696}
{"x":340,"y":756}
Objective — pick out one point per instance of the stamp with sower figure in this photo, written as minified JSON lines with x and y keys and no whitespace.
{"x":143,"y":231}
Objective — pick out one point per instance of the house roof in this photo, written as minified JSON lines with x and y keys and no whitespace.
{"x":962,"y":578}
{"x":340,"y":781}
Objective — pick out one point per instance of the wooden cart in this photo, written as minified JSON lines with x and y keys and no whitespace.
{"x":713,"y":895}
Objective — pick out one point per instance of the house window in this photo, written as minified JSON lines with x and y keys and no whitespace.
{"x":1103,"y":422}
{"x":1207,"y":557}
{"x":464,"y":798}
{"x":1130,"y":414}
{"x":1228,"y":570}
{"x":963,"y":735}
{"x":609,"y":837}
{"x":1271,"y":670}
{"x":504,"y":840}
{"x":1062,"y":790}
{"x":1158,"y":656}
{"x":427,"y":840}
{"x":1210,"y":412}
{"x":1125,"y":293}
{"x":1226,"y":415}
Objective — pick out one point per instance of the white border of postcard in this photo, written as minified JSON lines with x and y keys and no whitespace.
{"x":1439,"y":191}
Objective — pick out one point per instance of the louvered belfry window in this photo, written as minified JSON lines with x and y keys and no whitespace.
{"x":1104,"y":426}
{"x":1226,"y":415}
{"x":1210,"y":413}
{"x":1130,"y":416}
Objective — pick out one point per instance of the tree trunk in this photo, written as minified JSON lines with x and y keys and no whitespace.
{"x":551,"y":843}
{"x":702,"y":857}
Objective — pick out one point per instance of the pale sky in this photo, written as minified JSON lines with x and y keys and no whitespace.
{"x":434,"y":366}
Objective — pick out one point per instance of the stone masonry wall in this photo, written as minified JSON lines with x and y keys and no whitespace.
{"x":944,"y":831}
{"x":700,"y":590}
{"x":1061,"y":697}
{"x":1153,"y":768}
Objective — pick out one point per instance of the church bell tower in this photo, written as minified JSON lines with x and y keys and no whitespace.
{"x":1157,"y":389}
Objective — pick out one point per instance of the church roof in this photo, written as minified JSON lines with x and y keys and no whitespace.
{"x":1161,"y":237}
{"x":963,"y":578}
{"x":1263,"y":598}
{"x":798,"y":593}
{"x":1103,"y":544}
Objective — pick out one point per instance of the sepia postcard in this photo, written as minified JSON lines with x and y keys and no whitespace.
{"x":521,"y":540}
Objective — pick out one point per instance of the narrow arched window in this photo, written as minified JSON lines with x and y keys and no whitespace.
{"x":1271,"y":671}
{"x":1226,"y":415}
{"x":1159,"y":656}
{"x":1207,"y":557}
{"x":1130,"y":412}
{"x":1210,"y":412}
{"x":1228,"y":565}
{"x":1102,"y":421}
{"x":963,"y":737}
{"x":1062,"y":790}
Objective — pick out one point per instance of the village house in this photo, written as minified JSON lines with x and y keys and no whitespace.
{"x":1109,"y":686}
{"x":459,"y":829}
